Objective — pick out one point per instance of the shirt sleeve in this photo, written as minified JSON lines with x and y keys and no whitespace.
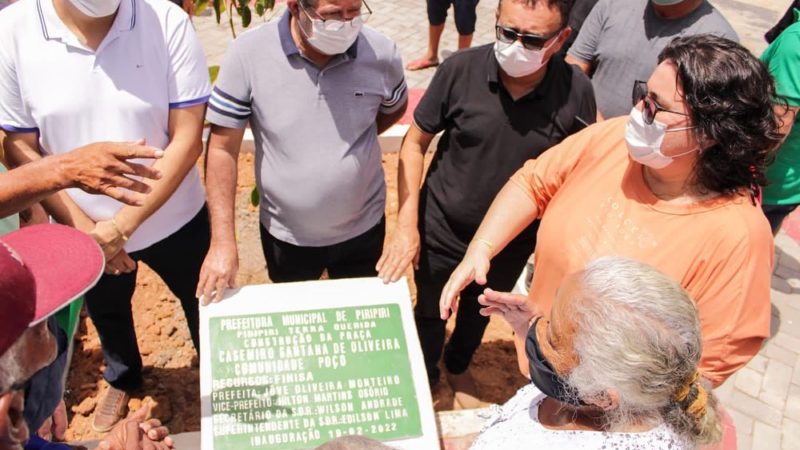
{"x":15,"y":117}
{"x":783,"y":60}
{"x":542,"y":177}
{"x":230,"y":104}
{"x":188,"y":75}
{"x":585,"y":45}
{"x":431,"y":112}
{"x":397,"y":91}
{"x":734,"y":307}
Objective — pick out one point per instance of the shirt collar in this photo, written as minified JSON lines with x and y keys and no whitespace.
{"x":54,"y":28}
{"x":287,"y":41}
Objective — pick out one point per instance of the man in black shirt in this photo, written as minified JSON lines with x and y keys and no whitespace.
{"x":499,"y":105}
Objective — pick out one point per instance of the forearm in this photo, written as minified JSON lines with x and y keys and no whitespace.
{"x":221,"y":191}
{"x":409,"y":179}
{"x":385,"y":121}
{"x":179,"y":158}
{"x":21,"y":151}
{"x":510,"y":213}
{"x":22,"y":187}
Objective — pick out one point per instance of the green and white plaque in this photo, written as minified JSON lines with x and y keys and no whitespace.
{"x":294,"y":365}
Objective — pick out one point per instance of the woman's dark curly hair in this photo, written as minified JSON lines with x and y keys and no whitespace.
{"x":730,"y":95}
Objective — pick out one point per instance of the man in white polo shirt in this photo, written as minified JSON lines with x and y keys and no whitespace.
{"x":73,"y":72}
{"x":316,"y":88}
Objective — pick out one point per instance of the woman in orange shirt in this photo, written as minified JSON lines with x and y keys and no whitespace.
{"x":673,"y":185}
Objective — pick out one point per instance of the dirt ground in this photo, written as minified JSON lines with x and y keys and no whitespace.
{"x":172,"y":378}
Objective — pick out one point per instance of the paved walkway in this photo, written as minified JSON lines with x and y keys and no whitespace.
{"x":764,"y":397}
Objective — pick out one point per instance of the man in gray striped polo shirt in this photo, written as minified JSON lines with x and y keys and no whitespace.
{"x":316,"y":88}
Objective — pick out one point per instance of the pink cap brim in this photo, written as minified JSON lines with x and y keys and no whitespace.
{"x":64,"y":262}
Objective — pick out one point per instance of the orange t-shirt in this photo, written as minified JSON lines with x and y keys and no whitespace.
{"x":594,"y":202}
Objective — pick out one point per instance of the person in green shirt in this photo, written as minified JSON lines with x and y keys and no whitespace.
{"x":782,"y":194}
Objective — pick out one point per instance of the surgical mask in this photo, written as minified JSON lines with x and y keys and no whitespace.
{"x":516,"y":60}
{"x":644,"y":141}
{"x":332,"y":37}
{"x":543,"y":376}
{"x":96,"y":8}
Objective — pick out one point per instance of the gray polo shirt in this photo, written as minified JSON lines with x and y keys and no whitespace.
{"x":318,"y":163}
{"x":623,"y":39}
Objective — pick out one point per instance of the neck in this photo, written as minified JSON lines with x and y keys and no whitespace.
{"x":556,"y":415}
{"x":677,"y":11}
{"x":89,"y":30}
{"x":519,"y":87}
{"x":306,"y":49}
{"x":671,"y":185}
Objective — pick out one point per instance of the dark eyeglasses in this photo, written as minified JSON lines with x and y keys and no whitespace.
{"x":650,"y":107}
{"x":529,"y":41}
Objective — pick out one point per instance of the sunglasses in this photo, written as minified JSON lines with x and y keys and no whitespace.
{"x":649,"y":107}
{"x":529,"y":41}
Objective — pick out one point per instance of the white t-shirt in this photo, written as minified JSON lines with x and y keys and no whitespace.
{"x":50,"y":83}
{"x":515,"y":425}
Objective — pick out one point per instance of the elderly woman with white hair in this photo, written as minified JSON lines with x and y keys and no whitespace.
{"x":614,"y":366}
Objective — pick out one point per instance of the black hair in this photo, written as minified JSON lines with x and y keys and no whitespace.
{"x":564,"y":7}
{"x":730,"y":95}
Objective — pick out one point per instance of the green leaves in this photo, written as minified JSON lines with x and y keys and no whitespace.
{"x":242,"y":8}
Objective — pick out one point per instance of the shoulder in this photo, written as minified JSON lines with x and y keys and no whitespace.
{"x":787,"y":44}
{"x":168,"y":14}
{"x":16,"y":19}
{"x":749,"y":229}
{"x":257,"y":39}
{"x":467,"y":58}
{"x":579,"y":82}
{"x":382,"y":46}
{"x":712,"y":21}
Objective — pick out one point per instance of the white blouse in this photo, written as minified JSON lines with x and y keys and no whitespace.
{"x":515,"y":425}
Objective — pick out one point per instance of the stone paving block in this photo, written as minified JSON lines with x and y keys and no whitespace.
{"x":791,"y":435}
{"x":744,"y":442}
{"x":756,"y":409}
{"x":749,"y":381}
{"x":775,"y":351}
{"x":780,"y":285}
{"x":790,"y":318}
{"x":792,"y":408}
{"x":766,"y":437}
{"x":724,"y":393}
{"x":743,"y":422}
{"x":796,"y":374}
{"x":775,"y":386}
{"x":787,"y":341}
{"x":758,"y":363}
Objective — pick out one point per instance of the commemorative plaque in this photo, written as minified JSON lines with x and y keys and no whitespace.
{"x":294,"y":365}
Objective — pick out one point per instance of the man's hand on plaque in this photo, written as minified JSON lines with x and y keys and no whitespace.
{"x":218,"y":272}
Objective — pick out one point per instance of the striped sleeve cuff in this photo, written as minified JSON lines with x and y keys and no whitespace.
{"x":188,"y":103}
{"x":228,"y":105}
{"x":399,"y":94}
{"x":14,"y":129}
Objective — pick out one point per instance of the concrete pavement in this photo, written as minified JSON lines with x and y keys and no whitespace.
{"x":764,"y":397}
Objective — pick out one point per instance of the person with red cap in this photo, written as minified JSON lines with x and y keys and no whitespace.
{"x":45,"y":267}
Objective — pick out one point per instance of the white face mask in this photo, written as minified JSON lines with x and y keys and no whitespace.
{"x":96,"y":8}
{"x":516,"y":60}
{"x":332,"y":37}
{"x":644,"y":141}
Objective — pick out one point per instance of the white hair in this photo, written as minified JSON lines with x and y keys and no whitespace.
{"x":638,"y":334}
{"x":11,"y":371}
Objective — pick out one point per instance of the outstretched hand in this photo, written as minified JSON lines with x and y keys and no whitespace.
{"x":104,"y":168}
{"x":516,"y":309}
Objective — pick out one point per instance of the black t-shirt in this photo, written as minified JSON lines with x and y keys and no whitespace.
{"x":487,"y":137}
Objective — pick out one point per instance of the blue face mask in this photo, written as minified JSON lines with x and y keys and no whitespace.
{"x":543,"y":376}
